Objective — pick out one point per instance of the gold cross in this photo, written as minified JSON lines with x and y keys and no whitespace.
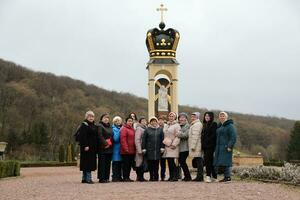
{"x":162,"y":9}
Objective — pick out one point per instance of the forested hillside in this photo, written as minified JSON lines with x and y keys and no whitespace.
{"x":40,"y":111}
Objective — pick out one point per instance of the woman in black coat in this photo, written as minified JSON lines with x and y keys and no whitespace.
{"x":105,"y":148}
{"x":153,"y":147}
{"x":208,"y":140}
{"x":88,"y":147}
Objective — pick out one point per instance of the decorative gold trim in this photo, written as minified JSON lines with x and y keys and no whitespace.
{"x":162,"y":56}
{"x":177,"y":36}
{"x":162,"y":50}
{"x":150,"y":41}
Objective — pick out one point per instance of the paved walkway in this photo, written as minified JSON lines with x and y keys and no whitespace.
{"x":64,"y":183}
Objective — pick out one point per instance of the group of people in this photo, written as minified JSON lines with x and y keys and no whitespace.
{"x":146,"y":146}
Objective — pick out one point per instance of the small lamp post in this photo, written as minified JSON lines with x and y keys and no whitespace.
{"x":2,"y":149}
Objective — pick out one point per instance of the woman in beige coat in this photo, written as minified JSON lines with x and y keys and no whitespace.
{"x":140,"y":128}
{"x":195,"y":144}
{"x":171,"y":143}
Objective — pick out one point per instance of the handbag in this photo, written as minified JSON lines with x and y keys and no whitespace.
{"x":108,"y":141}
{"x":167,"y":141}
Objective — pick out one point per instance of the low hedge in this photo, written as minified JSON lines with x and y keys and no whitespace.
{"x":274,"y":163}
{"x":47,"y":164}
{"x":9,"y":168}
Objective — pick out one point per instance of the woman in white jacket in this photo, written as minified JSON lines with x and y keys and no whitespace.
{"x":195,"y":144}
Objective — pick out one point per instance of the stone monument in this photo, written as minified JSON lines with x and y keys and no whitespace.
{"x":162,"y":69}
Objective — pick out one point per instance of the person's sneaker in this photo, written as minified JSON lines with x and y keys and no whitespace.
{"x":103,"y":181}
{"x":213,"y":180}
{"x":83,"y":181}
{"x":208,"y":179}
{"x":225,"y":180}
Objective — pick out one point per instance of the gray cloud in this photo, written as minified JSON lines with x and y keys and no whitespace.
{"x":241,"y":56}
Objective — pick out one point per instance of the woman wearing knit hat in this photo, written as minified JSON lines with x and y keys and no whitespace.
{"x":116,"y":156}
{"x":127,"y":148}
{"x":88,"y":147}
{"x":139,"y":132}
{"x":171,"y":143}
{"x":106,"y":149}
{"x":153,"y":147}
{"x":183,"y":134}
{"x":226,"y":139}
{"x":195,"y":144}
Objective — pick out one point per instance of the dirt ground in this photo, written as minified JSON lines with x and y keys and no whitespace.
{"x":63,"y":183}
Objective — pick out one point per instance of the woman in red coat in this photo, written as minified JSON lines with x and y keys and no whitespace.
{"x":127,"y":148}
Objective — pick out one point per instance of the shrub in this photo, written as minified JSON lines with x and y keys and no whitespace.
{"x":47,"y":164}
{"x":288,"y":173}
{"x":9,"y":168}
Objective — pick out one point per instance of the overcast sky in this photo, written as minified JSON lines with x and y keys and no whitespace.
{"x":241,"y":56}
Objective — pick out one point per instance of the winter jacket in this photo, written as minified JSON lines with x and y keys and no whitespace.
{"x":170,"y":131}
{"x":127,"y":140}
{"x":116,"y":156}
{"x":138,"y":144}
{"x":226,"y":137}
{"x":153,"y":143}
{"x":195,"y":139}
{"x":208,"y":136}
{"x":184,"y":135}
{"x":104,"y":134}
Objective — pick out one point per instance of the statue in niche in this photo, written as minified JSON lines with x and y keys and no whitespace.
{"x":163,"y":98}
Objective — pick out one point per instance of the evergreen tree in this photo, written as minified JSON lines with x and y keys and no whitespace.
{"x":294,"y":145}
{"x":69,"y":154}
{"x":61,"y":153}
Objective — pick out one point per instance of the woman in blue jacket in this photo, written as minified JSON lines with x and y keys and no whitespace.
{"x":226,"y":139}
{"x":116,"y":156}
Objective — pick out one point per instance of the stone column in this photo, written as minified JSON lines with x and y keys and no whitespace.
{"x":151,"y":97}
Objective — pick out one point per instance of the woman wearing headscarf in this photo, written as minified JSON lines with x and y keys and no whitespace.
{"x":195,"y":144}
{"x":116,"y":156}
{"x":226,"y":139}
{"x":127,"y":148}
{"x":171,"y":142}
{"x":153,"y":147}
{"x":208,"y":140}
{"x":88,"y":147}
{"x":183,"y":134}
{"x":141,"y":126}
{"x":105,"y":151}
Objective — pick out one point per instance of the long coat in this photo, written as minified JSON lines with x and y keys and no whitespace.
{"x":116,"y":156}
{"x":105,"y":133}
{"x":170,"y":131}
{"x":139,"y":132}
{"x":88,"y":138}
{"x":127,"y":140}
{"x":195,"y":139}
{"x":226,"y":137}
{"x":153,"y":142}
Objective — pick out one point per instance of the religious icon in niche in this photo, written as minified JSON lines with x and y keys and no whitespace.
{"x":163,"y":98}
{"x":162,"y":95}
